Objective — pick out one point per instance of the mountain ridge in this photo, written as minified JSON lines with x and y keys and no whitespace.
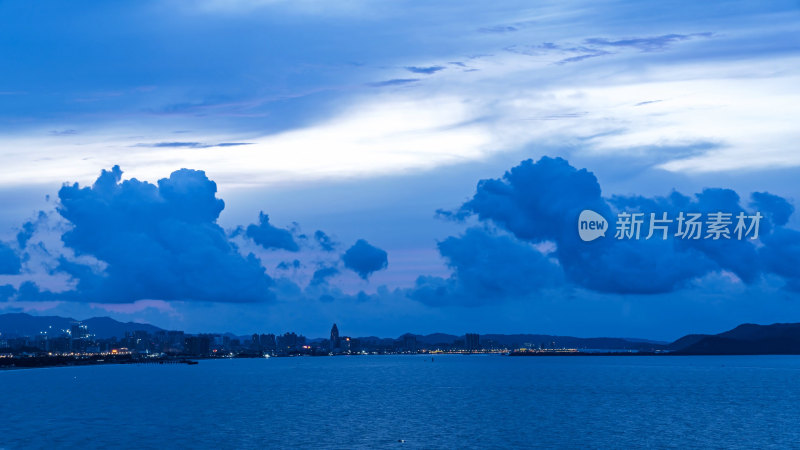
{"x":23,"y":324}
{"x":744,"y":339}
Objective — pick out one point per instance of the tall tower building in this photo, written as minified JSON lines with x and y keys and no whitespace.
{"x":334,"y":337}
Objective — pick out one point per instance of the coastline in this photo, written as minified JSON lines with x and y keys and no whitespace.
{"x":39,"y":362}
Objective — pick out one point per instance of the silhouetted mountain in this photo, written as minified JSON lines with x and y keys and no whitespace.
{"x":689,"y":339}
{"x":21,"y":324}
{"x":106,"y":327}
{"x":646,"y":341}
{"x":746,"y":339}
{"x":751,"y":332}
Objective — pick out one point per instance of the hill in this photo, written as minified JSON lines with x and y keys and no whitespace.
{"x":746,"y":339}
{"x":21,"y":324}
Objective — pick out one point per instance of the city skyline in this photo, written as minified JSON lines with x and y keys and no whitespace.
{"x":55,"y":341}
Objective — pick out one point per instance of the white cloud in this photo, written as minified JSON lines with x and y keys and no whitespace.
{"x":630,"y":102}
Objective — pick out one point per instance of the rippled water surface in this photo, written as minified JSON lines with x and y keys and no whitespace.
{"x":455,"y":401}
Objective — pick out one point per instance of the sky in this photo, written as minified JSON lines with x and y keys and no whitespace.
{"x":271,"y":166}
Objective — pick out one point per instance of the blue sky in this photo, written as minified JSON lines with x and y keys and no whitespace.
{"x":361,"y":120}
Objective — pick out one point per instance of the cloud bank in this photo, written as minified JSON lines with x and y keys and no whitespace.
{"x":130,"y":240}
{"x":539,"y":202}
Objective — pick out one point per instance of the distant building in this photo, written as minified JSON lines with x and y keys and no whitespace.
{"x":79,"y":336}
{"x":268,"y":343}
{"x":79,"y":331}
{"x":58,"y":345}
{"x":255,"y":342}
{"x":265,"y":343}
{"x":472,"y":342}
{"x":289,"y":342}
{"x":176,"y":340}
{"x":198,"y":345}
{"x":345,"y":345}
{"x":334,"y":342}
{"x":354,"y":345}
{"x":409,"y":343}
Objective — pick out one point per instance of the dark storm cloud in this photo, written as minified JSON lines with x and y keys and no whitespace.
{"x":270,"y":237}
{"x":158,"y":241}
{"x":364,"y":259}
{"x":539,"y":202}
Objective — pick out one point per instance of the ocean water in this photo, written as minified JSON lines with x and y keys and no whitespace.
{"x":454,"y":401}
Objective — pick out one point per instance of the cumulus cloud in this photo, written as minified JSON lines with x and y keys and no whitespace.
{"x":29,"y":228}
{"x":322,"y":274}
{"x":325,"y":242}
{"x":132,"y":240}
{"x":539,"y":203}
{"x":152,"y":241}
{"x":10,"y":263}
{"x":364,"y":259}
{"x":487,"y":267}
{"x":777,"y":209}
{"x":7,"y":291}
{"x":289,"y":265}
{"x":269,"y":236}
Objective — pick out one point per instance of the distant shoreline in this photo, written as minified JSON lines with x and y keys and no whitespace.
{"x":38,"y":362}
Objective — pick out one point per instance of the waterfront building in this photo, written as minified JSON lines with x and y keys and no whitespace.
{"x":334,"y":341}
{"x":472,"y":342}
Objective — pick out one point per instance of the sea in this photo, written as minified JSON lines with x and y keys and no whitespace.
{"x":409,"y":401}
